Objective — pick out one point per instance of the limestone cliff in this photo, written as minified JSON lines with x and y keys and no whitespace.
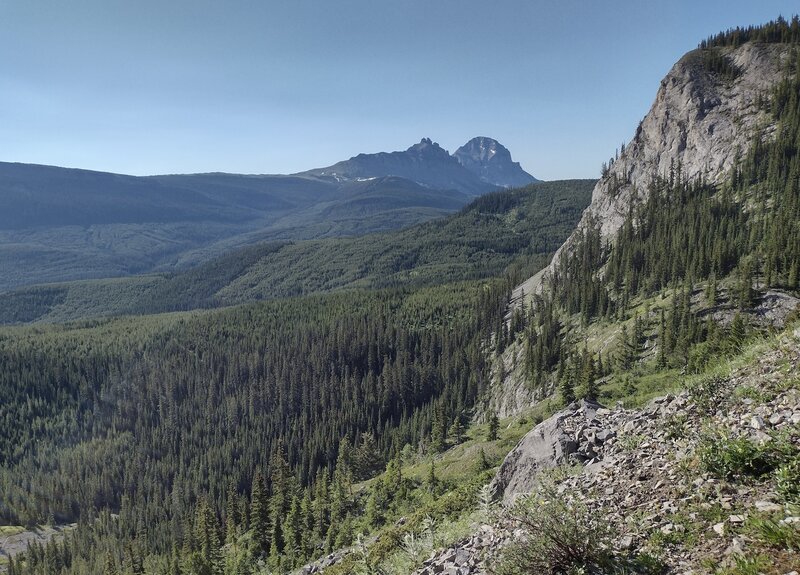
{"x":700,"y":122}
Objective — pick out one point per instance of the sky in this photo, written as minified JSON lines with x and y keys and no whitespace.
{"x":248,"y":86}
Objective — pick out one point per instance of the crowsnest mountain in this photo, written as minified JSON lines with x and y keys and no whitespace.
{"x":492,"y":162}
{"x":482,"y":164}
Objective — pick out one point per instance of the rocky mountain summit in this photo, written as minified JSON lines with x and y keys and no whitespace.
{"x":426,"y":163}
{"x":481,"y":165}
{"x":492,"y":162}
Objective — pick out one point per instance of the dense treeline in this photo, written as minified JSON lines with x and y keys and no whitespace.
{"x":777,"y":31}
{"x":154,"y":415}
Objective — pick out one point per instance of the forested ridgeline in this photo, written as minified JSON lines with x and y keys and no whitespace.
{"x":162,"y":418}
{"x":515,"y":228}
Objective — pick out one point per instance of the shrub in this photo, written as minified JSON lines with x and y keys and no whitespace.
{"x":730,"y":457}
{"x":775,"y":534}
{"x":787,"y":479}
{"x":563,"y":537}
{"x":708,"y":392}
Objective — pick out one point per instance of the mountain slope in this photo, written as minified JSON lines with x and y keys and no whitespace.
{"x":491,"y":162}
{"x":522,"y":226}
{"x":58,"y":224}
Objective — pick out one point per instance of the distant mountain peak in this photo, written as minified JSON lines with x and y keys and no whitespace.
{"x":428,"y":147}
{"x":492,"y":163}
{"x":425,"y":163}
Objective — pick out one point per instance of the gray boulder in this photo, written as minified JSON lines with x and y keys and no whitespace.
{"x":547,"y":445}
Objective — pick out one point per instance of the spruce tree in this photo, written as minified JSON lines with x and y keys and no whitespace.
{"x":231,"y":514}
{"x":259,"y":515}
{"x":494,"y":426}
{"x":567,"y":390}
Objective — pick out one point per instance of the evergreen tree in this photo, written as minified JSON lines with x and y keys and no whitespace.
{"x":567,"y":390}
{"x":483,"y":463}
{"x":494,"y":426}
{"x":231,"y":515}
{"x":438,"y":430}
{"x":259,"y":516}
{"x":432,"y":482}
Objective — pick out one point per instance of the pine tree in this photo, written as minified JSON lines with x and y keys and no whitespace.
{"x":280,"y":498}
{"x":293,"y":532}
{"x":376,"y":504}
{"x":432,"y":482}
{"x":438,"y":430}
{"x":109,"y":567}
{"x":494,"y":426}
{"x":259,"y":515}
{"x":457,"y":430}
{"x":625,"y":350}
{"x":711,"y":290}
{"x":395,"y":484}
{"x":231,"y":514}
{"x":483,"y":463}
{"x":661,"y":361}
{"x":589,"y":379}
{"x":322,"y":506}
{"x":745,"y":285}
{"x":567,"y":390}
{"x":207,"y":557}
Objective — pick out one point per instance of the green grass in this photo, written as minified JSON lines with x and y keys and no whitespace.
{"x":8,"y":530}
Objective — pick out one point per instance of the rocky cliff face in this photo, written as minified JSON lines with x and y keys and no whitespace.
{"x":701,"y":121}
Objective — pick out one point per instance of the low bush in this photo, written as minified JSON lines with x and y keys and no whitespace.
{"x":729,"y":457}
{"x":563,"y":537}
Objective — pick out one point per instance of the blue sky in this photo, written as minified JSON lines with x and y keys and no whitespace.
{"x":273,"y":86}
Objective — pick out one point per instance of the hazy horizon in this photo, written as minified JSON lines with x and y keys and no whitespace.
{"x":281,"y":88}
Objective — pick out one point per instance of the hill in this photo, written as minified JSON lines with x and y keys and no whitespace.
{"x":518,"y":226}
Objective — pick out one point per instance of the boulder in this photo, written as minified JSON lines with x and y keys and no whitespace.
{"x":547,"y":445}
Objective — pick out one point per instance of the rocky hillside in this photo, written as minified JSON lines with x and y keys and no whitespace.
{"x":705,"y":479}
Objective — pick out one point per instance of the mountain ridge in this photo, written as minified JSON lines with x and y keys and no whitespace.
{"x":61,"y":224}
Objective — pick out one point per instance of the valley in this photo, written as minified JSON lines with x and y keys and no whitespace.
{"x":395,"y":366}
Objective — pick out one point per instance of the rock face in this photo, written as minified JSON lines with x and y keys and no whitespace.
{"x":492,"y":163}
{"x":700,"y":121}
{"x":553,"y":442}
